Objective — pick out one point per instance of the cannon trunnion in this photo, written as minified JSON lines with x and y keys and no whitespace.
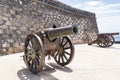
{"x":50,"y":42}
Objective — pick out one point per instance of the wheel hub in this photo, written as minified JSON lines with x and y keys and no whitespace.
{"x":60,"y":50}
{"x":32,"y":54}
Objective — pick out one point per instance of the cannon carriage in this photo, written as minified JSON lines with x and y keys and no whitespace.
{"x":50,"y":42}
{"x":104,"y":39}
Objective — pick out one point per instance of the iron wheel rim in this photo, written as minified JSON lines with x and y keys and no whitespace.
{"x":103,"y":41}
{"x":66,"y":55}
{"x":34,"y":53}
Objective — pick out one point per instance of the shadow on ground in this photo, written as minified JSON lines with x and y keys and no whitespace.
{"x":111,"y":47}
{"x":46,"y":74}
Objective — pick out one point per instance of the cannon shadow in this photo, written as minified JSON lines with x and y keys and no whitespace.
{"x":61,"y":68}
{"x":45,"y":74}
{"x":111,"y":47}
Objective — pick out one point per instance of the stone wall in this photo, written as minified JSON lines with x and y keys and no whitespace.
{"x":19,"y":18}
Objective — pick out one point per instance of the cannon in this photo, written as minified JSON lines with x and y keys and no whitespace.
{"x":104,"y":39}
{"x":52,"y":42}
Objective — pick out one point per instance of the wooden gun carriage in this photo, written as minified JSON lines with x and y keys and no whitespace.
{"x":104,"y":39}
{"x":50,"y":42}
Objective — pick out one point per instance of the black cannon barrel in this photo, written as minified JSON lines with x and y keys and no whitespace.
{"x":61,"y":31}
{"x":116,"y":33}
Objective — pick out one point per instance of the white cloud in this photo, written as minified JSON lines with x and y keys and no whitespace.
{"x":109,"y":24}
{"x":93,"y":3}
{"x":77,"y":5}
{"x":108,"y":15}
{"x":99,"y":7}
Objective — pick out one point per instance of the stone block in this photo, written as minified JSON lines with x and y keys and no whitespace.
{"x":16,"y":44}
{"x":18,"y":32}
{"x":12,"y":11}
{"x":5,"y":44}
{"x":14,"y":36}
{"x":8,"y":23}
{"x":23,"y":28}
{"x":4,"y":27}
{"x":23,"y":36}
{"x":1,"y":31}
{"x":10,"y":40}
{"x":11,"y":50}
{"x":18,"y":16}
{"x":4,"y":18}
{"x":19,"y":49}
{"x":17,"y":23}
{"x":2,"y":22}
{"x":4,"y":51}
{"x":13,"y":28}
{"x":5,"y":36}
{"x":7,"y":14}
{"x":1,"y":42}
{"x":8,"y":31}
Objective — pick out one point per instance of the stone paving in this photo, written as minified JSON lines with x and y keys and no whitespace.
{"x":89,"y":63}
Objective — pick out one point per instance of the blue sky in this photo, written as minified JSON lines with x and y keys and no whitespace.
{"x":107,"y":12}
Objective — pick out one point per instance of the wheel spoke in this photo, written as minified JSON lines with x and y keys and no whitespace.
{"x":29,"y":59}
{"x":62,"y":58}
{"x":37,"y":59}
{"x":65,"y":56}
{"x":56,"y":55}
{"x":67,"y":48}
{"x":33,"y":43}
{"x":36,"y":47}
{"x":29,"y":44}
{"x":38,"y":52}
{"x":65,"y":43}
{"x":59,"y":58}
{"x":36,"y":64}
{"x":66,"y":53}
{"x":62,"y":41}
{"x":31,"y":64}
{"x":111,"y":41}
{"x":27,"y":48}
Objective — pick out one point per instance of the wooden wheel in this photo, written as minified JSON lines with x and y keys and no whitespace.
{"x":34,"y":57}
{"x":111,"y":41}
{"x":65,"y":52}
{"x":103,"y":41}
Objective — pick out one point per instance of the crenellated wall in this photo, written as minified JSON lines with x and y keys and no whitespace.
{"x":19,"y":18}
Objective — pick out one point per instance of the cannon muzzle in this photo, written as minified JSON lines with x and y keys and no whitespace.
{"x":61,"y":32}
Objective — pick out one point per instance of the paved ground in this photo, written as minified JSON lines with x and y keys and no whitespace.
{"x":89,"y":63}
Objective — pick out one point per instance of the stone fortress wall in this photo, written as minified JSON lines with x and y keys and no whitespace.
{"x":19,"y":18}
